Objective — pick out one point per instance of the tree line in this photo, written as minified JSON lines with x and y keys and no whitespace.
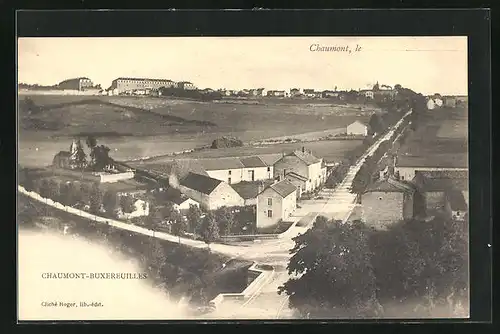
{"x":356,"y":271}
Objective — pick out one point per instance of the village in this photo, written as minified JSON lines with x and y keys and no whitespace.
{"x":261,"y":194}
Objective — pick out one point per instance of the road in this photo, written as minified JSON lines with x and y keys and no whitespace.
{"x":338,"y":204}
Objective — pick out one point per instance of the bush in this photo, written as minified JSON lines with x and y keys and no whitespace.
{"x":225,"y":142}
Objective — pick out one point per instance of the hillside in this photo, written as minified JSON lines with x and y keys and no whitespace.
{"x":81,"y":116}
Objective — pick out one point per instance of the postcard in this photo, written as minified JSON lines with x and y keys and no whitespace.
{"x":173,"y":178}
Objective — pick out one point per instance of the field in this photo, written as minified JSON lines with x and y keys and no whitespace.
{"x":144,"y":127}
{"x":442,"y":137}
{"x":330,"y":150}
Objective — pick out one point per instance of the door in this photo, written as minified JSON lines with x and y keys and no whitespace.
{"x":251,"y":175}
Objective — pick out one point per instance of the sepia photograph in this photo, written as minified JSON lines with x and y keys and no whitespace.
{"x":230,"y":178}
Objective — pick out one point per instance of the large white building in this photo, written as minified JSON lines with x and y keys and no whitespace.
{"x":304,"y":164}
{"x":235,"y":170}
{"x":124,"y":85}
{"x":357,"y":128}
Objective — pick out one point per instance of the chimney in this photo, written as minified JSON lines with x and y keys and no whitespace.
{"x":261,"y":187}
{"x":303,"y":149}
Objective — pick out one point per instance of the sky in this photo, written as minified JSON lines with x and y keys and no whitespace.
{"x":427,"y":65}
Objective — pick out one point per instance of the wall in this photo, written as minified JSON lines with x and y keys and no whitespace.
{"x":408,"y":173}
{"x":315,"y":174}
{"x":223,"y":175}
{"x":301,"y":185}
{"x":203,"y":199}
{"x":110,"y":178}
{"x":289,"y":205}
{"x":382,"y":207}
{"x":260,"y":173}
{"x":262,"y":206}
{"x":290,"y":164}
{"x":408,"y":205}
{"x":357,"y":129}
{"x":224,"y":195}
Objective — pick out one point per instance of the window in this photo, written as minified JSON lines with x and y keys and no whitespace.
{"x":229,"y":180}
{"x":269,"y":201}
{"x":269,"y":213}
{"x":229,"y":172}
{"x":268,"y":169}
{"x":380,"y":198}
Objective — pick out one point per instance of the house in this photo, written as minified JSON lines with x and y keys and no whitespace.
{"x":405,"y":166}
{"x":209,"y":192}
{"x":330,"y":94}
{"x":276,"y":203}
{"x":276,"y":93}
{"x":186,"y":85}
{"x":141,"y":208}
{"x":62,"y":160}
{"x":249,"y":190}
{"x":309,"y":93}
{"x":368,"y":93}
{"x":386,"y":201}
{"x":234,"y":170}
{"x":357,"y":128}
{"x":303,"y":163}
{"x":438,"y":190}
{"x":295,"y":92}
{"x":299,"y":181}
{"x":80,"y":84}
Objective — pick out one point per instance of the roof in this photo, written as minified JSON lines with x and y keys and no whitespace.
{"x":436,"y":174}
{"x":457,"y":160}
{"x":283,"y":188}
{"x":248,"y":190}
{"x":201,"y":183}
{"x":359,"y":122}
{"x":297,"y":176}
{"x":143,"y":79}
{"x":438,"y":184}
{"x":271,"y":159}
{"x":180,"y":168}
{"x":254,"y":161}
{"x":175,"y":196}
{"x":221,"y":163}
{"x":130,"y":185}
{"x":456,"y":200}
{"x":305,"y":156}
{"x":390,"y":185}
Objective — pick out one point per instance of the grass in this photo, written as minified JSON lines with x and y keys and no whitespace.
{"x":330,"y":150}
{"x":131,"y":130}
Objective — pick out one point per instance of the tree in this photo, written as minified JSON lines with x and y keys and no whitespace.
{"x":225,"y":219}
{"x":91,"y":143}
{"x":158,"y":259}
{"x":209,"y":230}
{"x":110,"y":201}
{"x":95,"y":199}
{"x":333,"y":261}
{"x":179,"y":226}
{"x":101,"y":157}
{"x":53,"y":190}
{"x":194,"y":217}
{"x":376,"y":124}
{"x":85,"y":193}
{"x":127,"y":204}
{"x":81,"y":157}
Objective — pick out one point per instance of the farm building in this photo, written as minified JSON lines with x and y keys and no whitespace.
{"x":368,"y":93}
{"x":276,"y":203}
{"x":235,"y":170}
{"x":81,"y":83}
{"x":438,"y":187}
{"x":386,"y":201}
{"x":357,"y":128}
{"x":305,"y":164}
{"x":209,"y":192}
{"x":405,"y":166}
{"x":62,"y":160}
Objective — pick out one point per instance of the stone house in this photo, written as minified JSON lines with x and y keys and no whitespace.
{"x":302,"y":163}
{"x":235,"y":170}
{"x":386,"y":201}
{"x":209,"y":192}
{"x":250,"y":190}
{"x":276,"y":203}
